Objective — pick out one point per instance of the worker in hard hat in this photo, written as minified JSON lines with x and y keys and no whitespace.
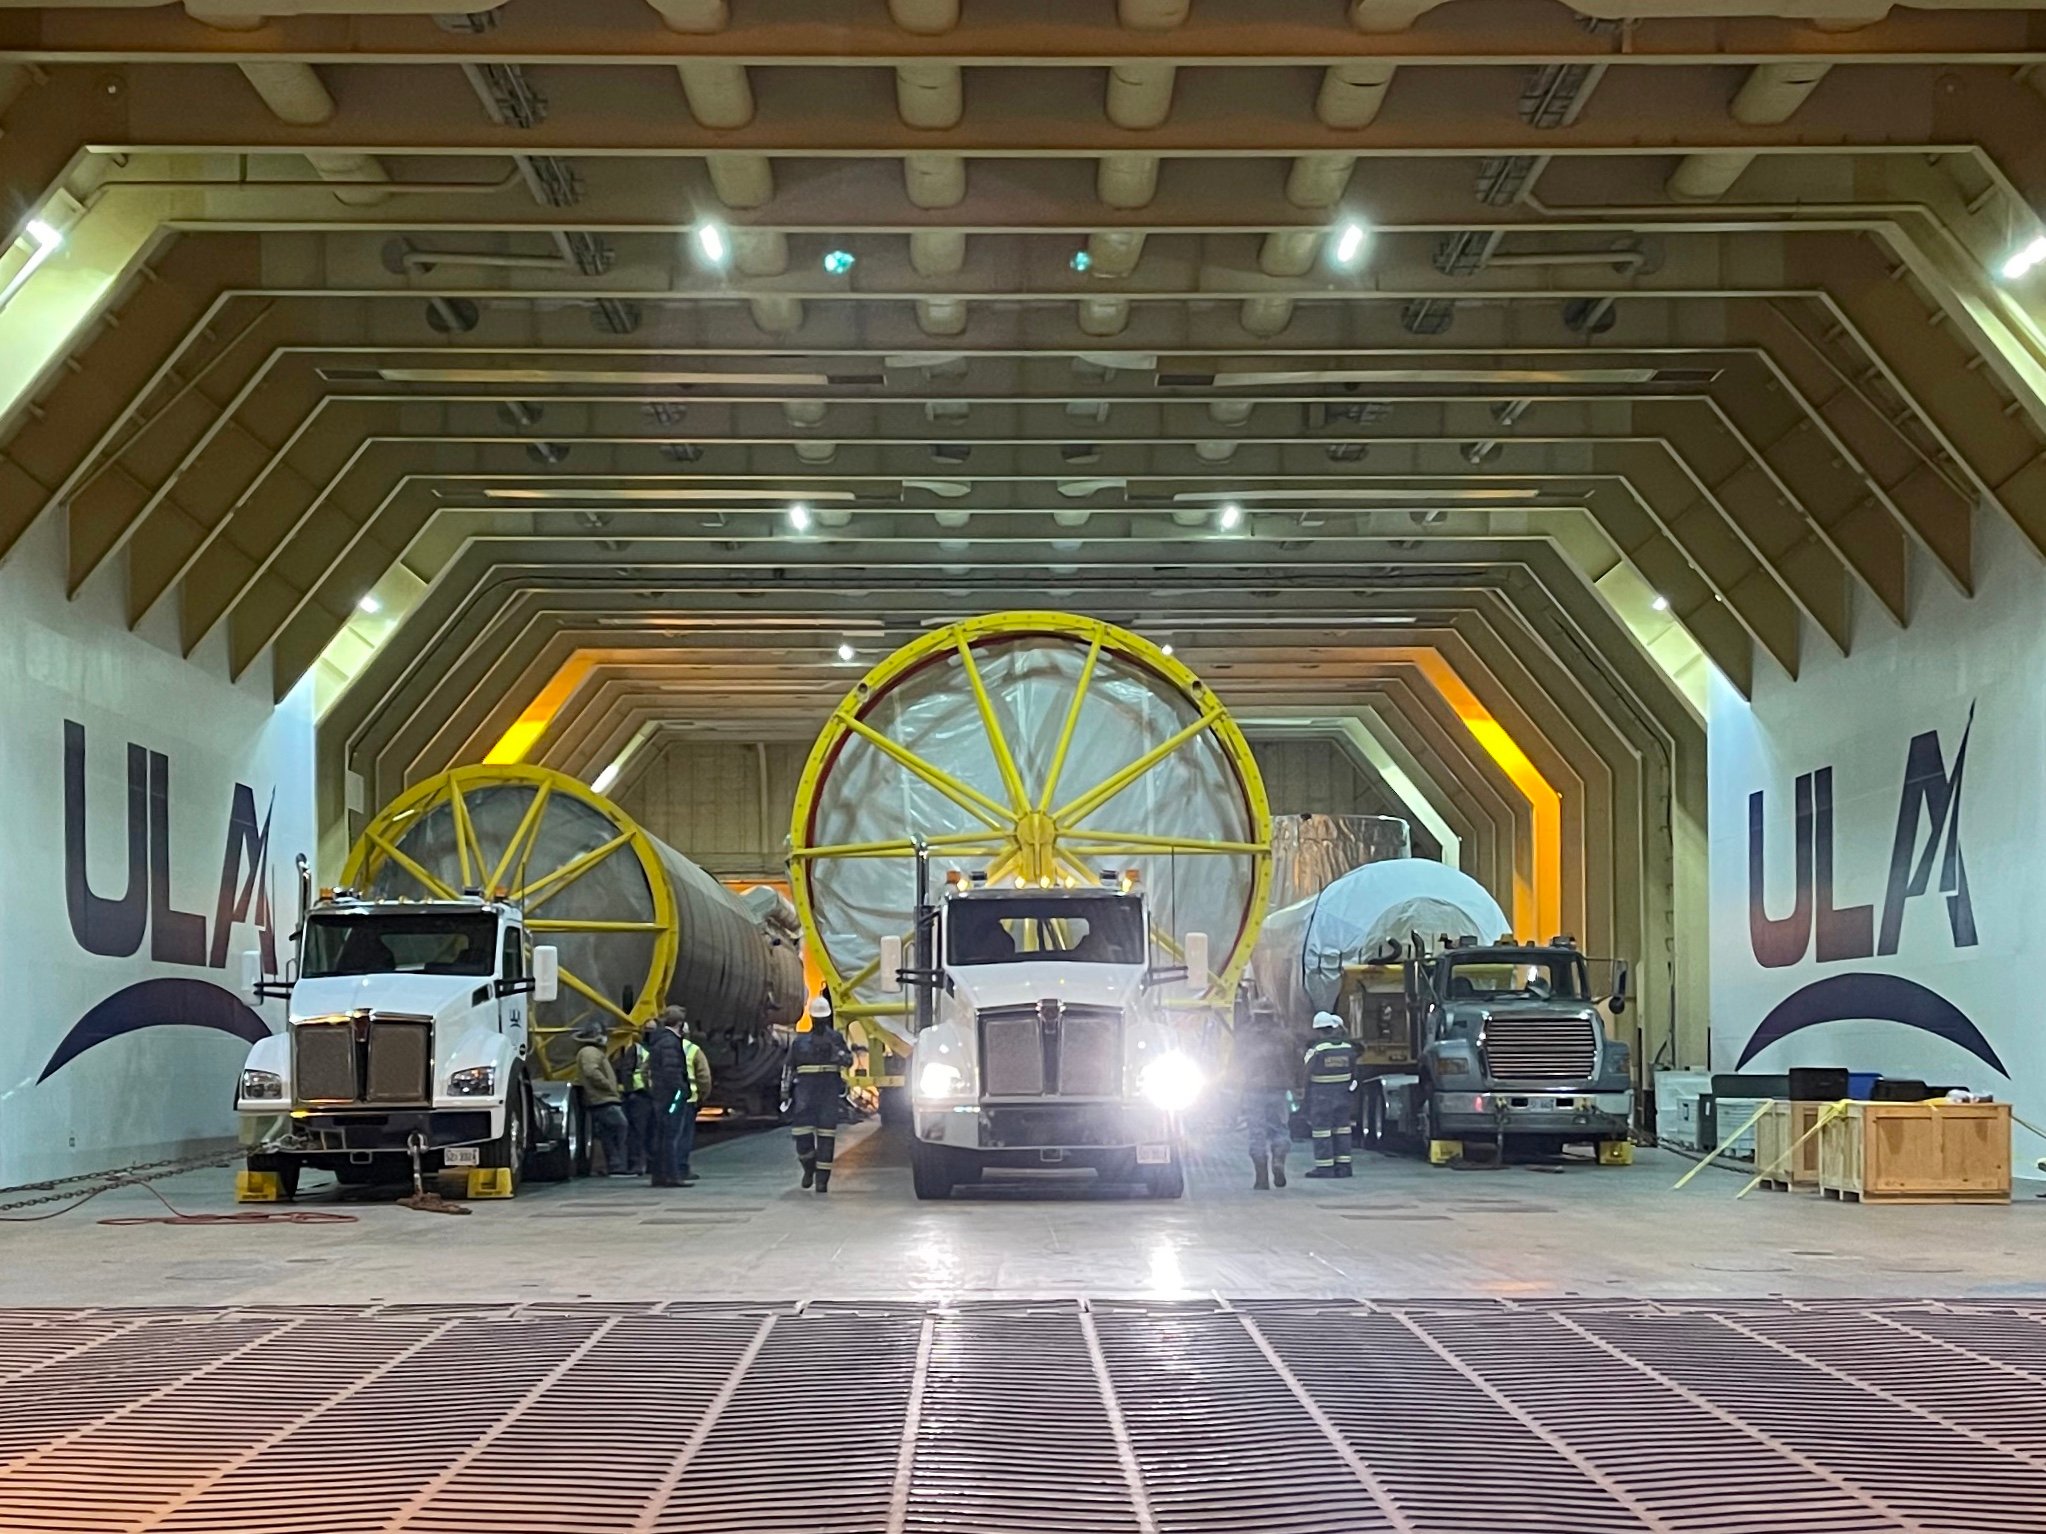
{"x":812,"y":1081}
{"x":1331,"y":1069}
{"x":601,"y":1093}
{"x":1265,"y":1069}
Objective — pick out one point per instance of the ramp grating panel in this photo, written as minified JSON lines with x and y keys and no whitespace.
{"x":1584,"y":1416}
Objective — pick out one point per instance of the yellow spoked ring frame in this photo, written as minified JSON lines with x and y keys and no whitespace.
{"x":590,"y":881}
{"x":1033,"y":746}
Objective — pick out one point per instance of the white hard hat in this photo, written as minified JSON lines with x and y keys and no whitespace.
{"x":1327,"y":1020}
{"x":820,"y":1006}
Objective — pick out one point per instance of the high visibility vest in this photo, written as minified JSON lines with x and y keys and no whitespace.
{"x":691,"y":1052}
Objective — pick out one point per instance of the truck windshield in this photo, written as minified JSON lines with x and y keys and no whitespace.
{"x":1087,"y":929}
{"x":1496,"y":978}
{"x":400,"y":943}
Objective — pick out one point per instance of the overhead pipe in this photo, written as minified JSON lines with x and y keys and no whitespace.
{"x":1114,"y":252}
{"x":1229,"y":412}
{"x":937,"y":252}
{"x":1104,"y":316}
{"x":1769,"y":96}
{"x":1215,"y":449}
{"x":719,"y":93}
{"x":1127,"y":180}
{"x":805,"y":412}
{"x":928,"y":17}
{"x":935,"y":180}
{"x":1152,"y":15}
{"x":930,"y":94}
{"x":742,"y":180}
{"x":1627,"y":261}
{"x":1140,"y":93}
{"x":1289,"y":252}
{"x":816,"y":452}
{"x":941,"y":316}
{"x":1389,"y":15}
{"x":1319,"y":180}
{"x":760,"y":252}
{"x":694,"y":15}
{"x":1352,"y":93}
{"x":777,"y":313}
{"x":1267,"y":314}
{"x":295,"y":95}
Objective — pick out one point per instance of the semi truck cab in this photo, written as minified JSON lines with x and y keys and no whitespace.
{"x":1503,"y":1044}
{"x":1044,"y":1044}
{"x":410,"y":1028}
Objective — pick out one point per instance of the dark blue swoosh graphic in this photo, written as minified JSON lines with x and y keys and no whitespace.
{"x":1875,"y":999}
{"x":166,"y":1003}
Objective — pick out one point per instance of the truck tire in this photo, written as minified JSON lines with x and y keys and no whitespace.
{"x":1168,"y":1181}
{"x":894,"y":1107}
{"x":930,"y":1170}
{"x":568,"y":1156}
{"x":1373,"y":1135}
{"x":511,"y":1149}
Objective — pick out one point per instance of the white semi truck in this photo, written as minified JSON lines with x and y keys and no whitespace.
{"x":1043,"y":1043}
{"x":410,"y":1033}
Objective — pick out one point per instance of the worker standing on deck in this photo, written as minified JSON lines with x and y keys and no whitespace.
{"x":699,"y":1094}
{"x":811,"y":1083}
{"x":600,"y":1094}
{"x":669,"y":1079}
{"x":1265,"y":1071}
{"x":1331,"y":1068}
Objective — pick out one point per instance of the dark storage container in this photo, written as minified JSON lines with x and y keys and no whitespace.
{"x":1817,"y":1084}
{"x":1895,"y":1089}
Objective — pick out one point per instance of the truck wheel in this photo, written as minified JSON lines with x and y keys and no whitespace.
{"x":568,"y":1156}
{"x":930,"y":1170}
{"x":1168,"y":1181}
{"x":1373,"y":1137}
{"x":510,"y":1149}
{"x":894,"y":1107}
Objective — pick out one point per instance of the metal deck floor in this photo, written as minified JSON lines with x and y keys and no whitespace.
{"x":1283,"y":1417}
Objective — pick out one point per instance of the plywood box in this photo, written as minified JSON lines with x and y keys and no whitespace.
{"x":1784,"y":1126}
{"x":1917,"y":1153}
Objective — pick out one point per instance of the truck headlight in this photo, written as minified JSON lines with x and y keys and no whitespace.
{"x":1172,"y":1082}
{"x":476,"y":1081}
{"x":262,"y":1085}
{"x":1451,"y":1065}
{"x":938,"y":1080}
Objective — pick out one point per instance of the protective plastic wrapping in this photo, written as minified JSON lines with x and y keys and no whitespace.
{"x":737,"y":965}
{"x":865,"y":796}
{"x":1310,"y":852}
{"x":1298,"y":963}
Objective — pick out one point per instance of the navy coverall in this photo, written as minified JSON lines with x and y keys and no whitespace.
{"x":1331,"y":1061}
{"x":815,"y":1060}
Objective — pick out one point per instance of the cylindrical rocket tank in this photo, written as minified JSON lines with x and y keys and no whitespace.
{"x":1301,"y":951}
{"x":637,"y":925}
{"x":1311,"y":851}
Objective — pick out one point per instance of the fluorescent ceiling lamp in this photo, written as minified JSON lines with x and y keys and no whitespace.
{"x":1350,"y":243}
{"x":370,"y":605}
{"x":1250,"y":378}
{"x":2024,"y":259}
{"x":45,"y":241}
{"x":1661,"y":603}
{"x":596,"y":376}
{"x":1231,"y":518}
{"x":799,"y":516}
{"x":846,"y":652}
{"x":1344,"y":494}
{"x":571,"y":494}
{"x":1166,"y":648}
{"x":711,"y":241}
{"x":607,"y":777}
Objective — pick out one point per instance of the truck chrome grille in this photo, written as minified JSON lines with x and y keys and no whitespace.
{"x":1541,"y":1048}
{"x":1079,"y":1054}
{"x":381,"y":1060}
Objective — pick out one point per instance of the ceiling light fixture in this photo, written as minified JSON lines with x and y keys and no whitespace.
{"x":45,"y":240}
{"x":1350,"y":243}
{"x":1231,"y":518}
{"x":370,"y":605}
{"x":799,"y":516}
{"x":846,"y":652}
{"x":1166,"y":648}
{"x":710,"y":239}
{"x":1661,"y":603}
{"x":2024,"y":259}
{"x":607,"y":777}
{"x":1082,"y":261}
{"x":838,"y":262}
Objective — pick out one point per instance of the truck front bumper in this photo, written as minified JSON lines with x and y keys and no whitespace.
{"x":1044,"y":1134}
{"x":1580,"y":1115}
{"x":341,"y":1133}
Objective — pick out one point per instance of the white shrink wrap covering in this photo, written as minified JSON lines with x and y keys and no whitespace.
{"x":1298,"y":963}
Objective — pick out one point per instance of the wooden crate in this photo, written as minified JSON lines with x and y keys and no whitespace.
{"x":1783,"y":1126}
{"x":1917,"y":1153}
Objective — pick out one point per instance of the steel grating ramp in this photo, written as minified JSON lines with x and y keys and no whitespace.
{"x":1337,"y":1417}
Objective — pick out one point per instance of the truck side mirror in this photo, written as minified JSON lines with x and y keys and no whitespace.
{"x":252,"y":974}
{"x":1619,"y":998}
{"x":546,"y":973}
{"x":1196,"y":946}
{"x":891,"y":964}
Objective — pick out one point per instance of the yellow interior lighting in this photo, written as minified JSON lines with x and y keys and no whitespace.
{"x":527,"y":729}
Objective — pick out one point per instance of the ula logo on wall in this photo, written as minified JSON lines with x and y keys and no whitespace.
{"x":115,"y":926}
{"x":1926,"y":842}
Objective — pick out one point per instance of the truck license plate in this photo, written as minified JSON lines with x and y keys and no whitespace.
{"x":462,"y":1155}
{"x":1154,"y":1155}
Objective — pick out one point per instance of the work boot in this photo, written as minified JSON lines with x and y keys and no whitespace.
{"x":809,"y":1171}
{"x":824,"y":1179}
{"x":1278,"y":1171}
{"x":1322,"y":1171}
{"x":1259,"y":1165}
{"x":1342,"y":1169}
